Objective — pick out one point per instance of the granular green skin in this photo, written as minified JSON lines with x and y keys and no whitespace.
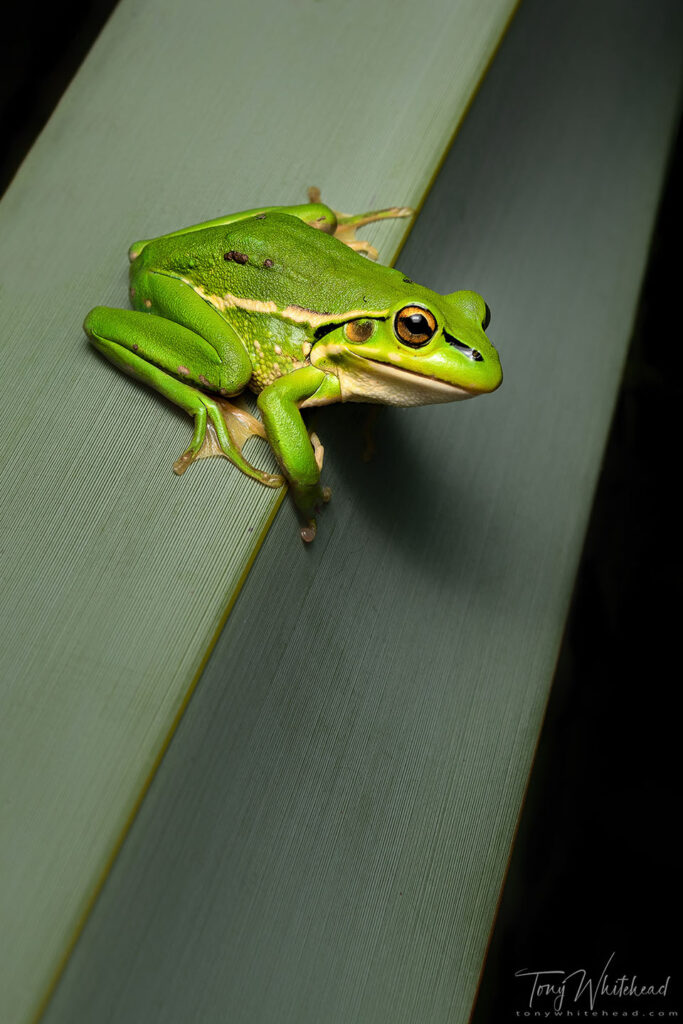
{"x":287,"y":348}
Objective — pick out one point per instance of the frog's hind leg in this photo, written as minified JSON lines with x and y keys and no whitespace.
{"x":348,"y":223}
{"x":213,"y":355}
{"x":219,"y":427}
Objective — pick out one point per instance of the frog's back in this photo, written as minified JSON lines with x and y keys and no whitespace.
{"x":276,"y":258}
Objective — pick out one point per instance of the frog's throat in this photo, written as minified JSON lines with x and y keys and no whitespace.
{"x":297,"y":314}
{"x":370,"y":380}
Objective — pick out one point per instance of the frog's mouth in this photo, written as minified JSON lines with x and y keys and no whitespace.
{"x":368,"y":380}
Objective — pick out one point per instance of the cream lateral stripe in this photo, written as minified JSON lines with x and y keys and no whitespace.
{"x":297,"y":314}
{"x":300,"y":315}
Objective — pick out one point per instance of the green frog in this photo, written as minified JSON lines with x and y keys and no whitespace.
{"x":286,"y":301}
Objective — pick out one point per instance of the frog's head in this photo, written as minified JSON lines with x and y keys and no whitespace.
{"x":432,"y":349}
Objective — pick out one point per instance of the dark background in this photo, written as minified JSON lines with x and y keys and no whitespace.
{"x":596,"y":865}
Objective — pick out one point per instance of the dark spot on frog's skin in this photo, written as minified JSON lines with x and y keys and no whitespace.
{"x":135,"y":348}
{"x":260,"y":216}
{"x":238,"y":257}
{"x":267,"y":263}
{"x":406,"y":280}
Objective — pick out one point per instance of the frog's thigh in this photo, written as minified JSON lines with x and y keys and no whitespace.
{"x":211,"y":350}
{"x":168,"y":345}
{"x":120,"y":334}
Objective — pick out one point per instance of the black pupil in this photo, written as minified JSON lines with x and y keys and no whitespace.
{"x":418,"y":324}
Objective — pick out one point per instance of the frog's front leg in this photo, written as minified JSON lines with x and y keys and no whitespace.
{"x":299,"y":455}
{"x":152,"y":349}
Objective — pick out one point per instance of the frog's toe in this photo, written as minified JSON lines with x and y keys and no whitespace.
{"x":204,"y":444}
{"x":348,"y":224}
{"x":185,"y":460}
{"x":270,"y":479}
{"x":365,"y":249}
{"x":308,"y":532}
{"x":318,"y":451}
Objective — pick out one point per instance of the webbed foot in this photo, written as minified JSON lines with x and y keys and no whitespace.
{"x":224,"y":433}
{"x":347,"y":223}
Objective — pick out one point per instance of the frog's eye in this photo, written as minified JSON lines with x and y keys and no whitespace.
{"x":359,"y":331}
{"x":414,"y":326}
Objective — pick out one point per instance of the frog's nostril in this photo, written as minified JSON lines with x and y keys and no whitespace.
{"x":471,"y":353}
